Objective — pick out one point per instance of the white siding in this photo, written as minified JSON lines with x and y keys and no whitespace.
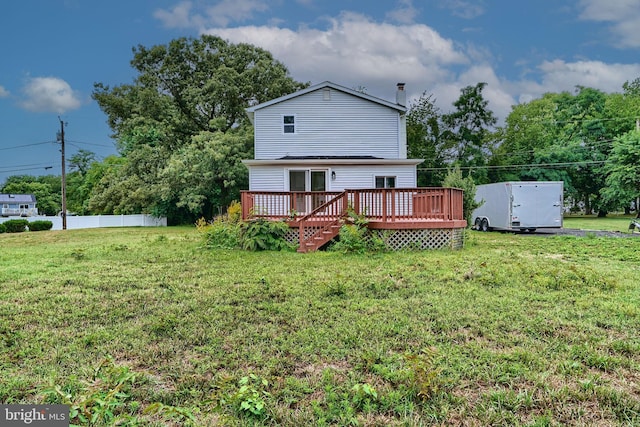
{"x":274,"y":178}
{"x":357,"y":177}
{"x":344,"y":125}
{"x":266,"y":178}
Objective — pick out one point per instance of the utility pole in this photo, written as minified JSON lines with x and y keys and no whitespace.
{"x":64,"y":177}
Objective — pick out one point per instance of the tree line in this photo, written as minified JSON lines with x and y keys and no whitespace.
{"x":181,"y":133}
{"x":588,"y":139}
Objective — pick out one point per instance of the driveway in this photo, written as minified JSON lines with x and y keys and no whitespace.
{"x":580,"y":233}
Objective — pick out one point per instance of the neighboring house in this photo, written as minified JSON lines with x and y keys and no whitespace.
{"x":18,"y":205}
{"x":325,"y":148}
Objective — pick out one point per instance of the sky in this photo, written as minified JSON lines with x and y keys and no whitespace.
{"x":53,"y":51}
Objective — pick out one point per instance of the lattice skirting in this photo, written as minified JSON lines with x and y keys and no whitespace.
{"x":435,"y":238}
{"x":292,"y":236}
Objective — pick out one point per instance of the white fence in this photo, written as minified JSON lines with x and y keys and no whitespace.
{"x":99,"y":221}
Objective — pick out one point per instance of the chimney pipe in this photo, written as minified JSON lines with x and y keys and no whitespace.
{"x":401,"y":95}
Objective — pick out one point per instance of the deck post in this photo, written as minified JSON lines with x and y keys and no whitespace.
{"x":356,"y":202}
{"x":384,"y":205}
{"x":393,"y":204}
{"x":246,"y":201}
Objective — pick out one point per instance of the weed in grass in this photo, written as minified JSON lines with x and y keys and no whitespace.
{"x":336,"y":289}
{"x":164,"y":326}
{"x":335,"y":409}
{"x":423,"y":373}
{"x":104,"y":400}
{"x":248,"y":399}
{"x":183,"y":416}
{"x":78,"y":254}
{"x":364,"y":396}
{"x":9,"y":338}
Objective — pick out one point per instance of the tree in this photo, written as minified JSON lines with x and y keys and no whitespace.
{"x":189,"y":88}
{"x":529,"y":128}
{"x":468,"y":130}
{"x":81,"y":161}
{"x":574,"y":130}
{"x":454,"y":179}
{"x":205,"y":176}
{"x":424,"y":141}
{"x":623,"y":179}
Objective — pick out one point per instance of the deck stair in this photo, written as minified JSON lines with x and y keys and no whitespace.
{"x":323,"y":224}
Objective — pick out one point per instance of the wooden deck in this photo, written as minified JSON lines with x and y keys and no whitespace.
{"x":319,"y":215}
{"x":425,"y":207}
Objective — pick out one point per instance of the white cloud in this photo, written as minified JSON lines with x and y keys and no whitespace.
{"x":178,"y":17}
{"x":463,"y":8}
{"x":222,"y":13}
{"x":624,"y":16}
{"x":3,"y":92}
{"x":49,"y":94}
{"x":560,"y":75}
{"x":355,"y":51}
{"x":405,"y":13}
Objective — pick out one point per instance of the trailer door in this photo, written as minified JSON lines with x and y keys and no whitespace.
{"x":537,"y":205}
{"x":549,"y":204}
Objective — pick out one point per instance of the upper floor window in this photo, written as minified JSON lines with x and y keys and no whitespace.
{"x":385,"y":182}
{"x":289,"y":124}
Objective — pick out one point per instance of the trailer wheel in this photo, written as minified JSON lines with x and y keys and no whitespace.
{"x":484,"y":225}
{"x":478,"y":222}
{"x":531,"y":230}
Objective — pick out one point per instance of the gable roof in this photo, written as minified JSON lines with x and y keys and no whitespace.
{"x":17,"y":198}
{"x":327,"y":84}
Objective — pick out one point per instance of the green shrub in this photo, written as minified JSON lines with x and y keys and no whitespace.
{"x":355,"y":237}
{"x":40,"y":225}
{"x":221,"y":233}
{"x":16,"y":225}
{"x":454,"y":179}
{"x":264,"y":235}
{"x":3,"y":229}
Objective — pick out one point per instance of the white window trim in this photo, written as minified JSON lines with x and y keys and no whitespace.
{"x":307,"y":177}
{"x":295,"y":124}
{"x":386,"y":177}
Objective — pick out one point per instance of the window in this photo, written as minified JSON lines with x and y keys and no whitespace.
{"x":385,"y":182}
{"x":289,"y":124}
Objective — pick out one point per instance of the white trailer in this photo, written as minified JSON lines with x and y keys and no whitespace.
{"x":519,"y":206}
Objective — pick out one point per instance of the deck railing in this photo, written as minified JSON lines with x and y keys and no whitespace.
{"x":323,"y":223}
{"x":282,"y":204}
{"x":385,"y":205}
{"x":19,"y":211}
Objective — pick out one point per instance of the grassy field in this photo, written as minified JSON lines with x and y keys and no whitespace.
{"x":610,"y":223}
{"x":142,"y":326}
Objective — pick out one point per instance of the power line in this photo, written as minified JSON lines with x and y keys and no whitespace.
{"x":26,"y":169}
{"x":26,"y":145}
{"x":592,"y":144}
{"x":91,"y":143}
{"x":24,"y":166}
{"x":531,"y":165}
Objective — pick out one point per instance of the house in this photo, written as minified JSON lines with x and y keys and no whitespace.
{"x":325,"y":148}
{"x":18,"y":205}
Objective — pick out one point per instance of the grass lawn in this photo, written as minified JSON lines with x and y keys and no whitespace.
{"x":592,"y":222}
{"x":144,"y":327}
